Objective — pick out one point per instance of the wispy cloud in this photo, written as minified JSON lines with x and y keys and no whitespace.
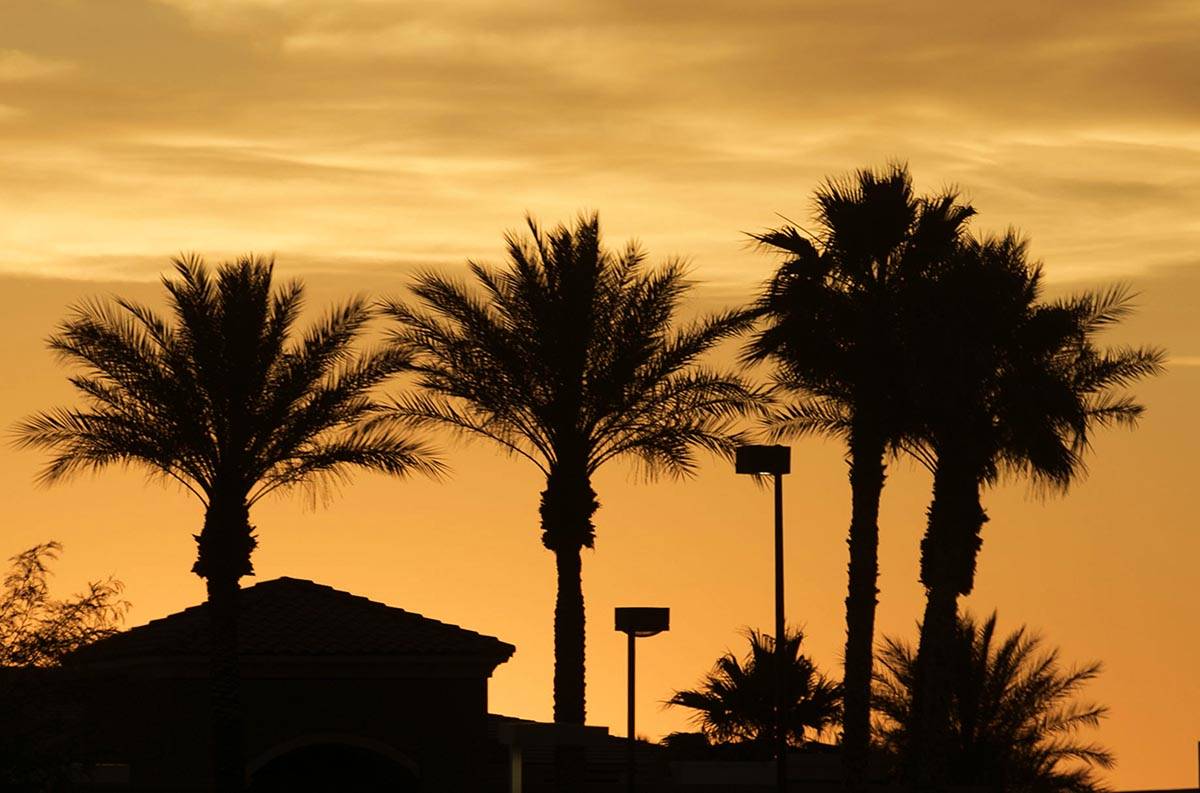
{"x":17,"y":66}
{"x":374,"y":128}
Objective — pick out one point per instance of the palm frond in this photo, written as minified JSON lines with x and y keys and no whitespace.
{"x":814,"y":416}
{"x":428,"y":410}
{"x":84,"y":442}
{"x":321,"y":462}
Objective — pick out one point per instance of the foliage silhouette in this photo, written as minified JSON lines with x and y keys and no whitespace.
{"x":832,"y":314}
{"x":1013,"y":718}
{"x":226,"y":402}
{"x":37,"y":630}
{"x":1007,"y":385}
{"x":735,"y":702}
{"x":569,"y":357}
{"x":40,"y":728}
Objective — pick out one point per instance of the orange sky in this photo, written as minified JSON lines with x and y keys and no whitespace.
{"x":358,"y":139}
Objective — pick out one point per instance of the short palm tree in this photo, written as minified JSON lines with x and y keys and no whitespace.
{"x":569,"y":357}
{"x":1008,"y":385}
{"x":831,"y":330}
{"x":735,"y":703}
{"x":225,"y":401}
{"x":1013,"y":719}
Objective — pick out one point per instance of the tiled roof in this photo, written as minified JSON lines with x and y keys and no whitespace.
{"x":296,"y":617}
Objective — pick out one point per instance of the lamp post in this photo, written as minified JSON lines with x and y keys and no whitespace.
{"x":776,"y":461}
{"x":638,"y":622}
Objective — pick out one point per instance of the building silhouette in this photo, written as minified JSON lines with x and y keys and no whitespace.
{"x":339,"y":693}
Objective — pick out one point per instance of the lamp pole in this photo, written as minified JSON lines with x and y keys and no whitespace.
{"x":631,"y":743}
{"x":776,"y":461}
{"x":637,"y":622}
{"x":780,"y":678}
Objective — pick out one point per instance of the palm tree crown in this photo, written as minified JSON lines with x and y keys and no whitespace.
{"x":223,"y":400}
{"x":1014,"y":721}
{"x":735,"y":702}
{"x":833,"y":307}
{"x":1018,"y":380}
{"x":569,"y":358}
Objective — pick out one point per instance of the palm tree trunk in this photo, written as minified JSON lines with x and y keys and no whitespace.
{"x":929,"y":742}
{"x":568,"y":503}
{"x":569,"y":634}
{"x":228,"y":759}
{"x":223,"y":557}
{"x":948,"y":553}
{"x":867,"y":474}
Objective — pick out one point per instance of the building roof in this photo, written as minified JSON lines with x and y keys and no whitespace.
{"x":297,"y":617}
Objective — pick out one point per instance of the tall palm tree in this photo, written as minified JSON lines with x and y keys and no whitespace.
{"x":832,"y":316}
{"x":1013,"y":719}
{"x":735,"y":702}
{"x":224,"y":400}
{"x":1008,"y":385}
{"x":569,"y":357}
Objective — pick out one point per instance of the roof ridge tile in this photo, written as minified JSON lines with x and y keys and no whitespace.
{"x":294,"y":616}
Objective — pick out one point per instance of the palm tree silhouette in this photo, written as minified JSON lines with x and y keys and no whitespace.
{"x":735,"y":702}
{"x":1007,"y":385}
{"x":226,"y":402}
{"x":832,"y":313}
{"x":1013,"y":721}
{"x":568,"y":358}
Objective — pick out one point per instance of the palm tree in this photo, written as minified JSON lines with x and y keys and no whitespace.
{"x":1009,"y":385}
{"x":225,"y":401}
{"x":832,"y":312}
{"x":1013,"y":721}
{"x":569,"y":358}
{"x":735,"y":702}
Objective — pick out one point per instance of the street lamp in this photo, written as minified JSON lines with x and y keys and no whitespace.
{"x":638,"y":622}
{"x":776,"y":461}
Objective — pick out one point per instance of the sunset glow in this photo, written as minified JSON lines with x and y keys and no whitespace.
{"x":362,"y":140}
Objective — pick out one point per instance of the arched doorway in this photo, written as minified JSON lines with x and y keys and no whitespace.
{"x":333,"y":766}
